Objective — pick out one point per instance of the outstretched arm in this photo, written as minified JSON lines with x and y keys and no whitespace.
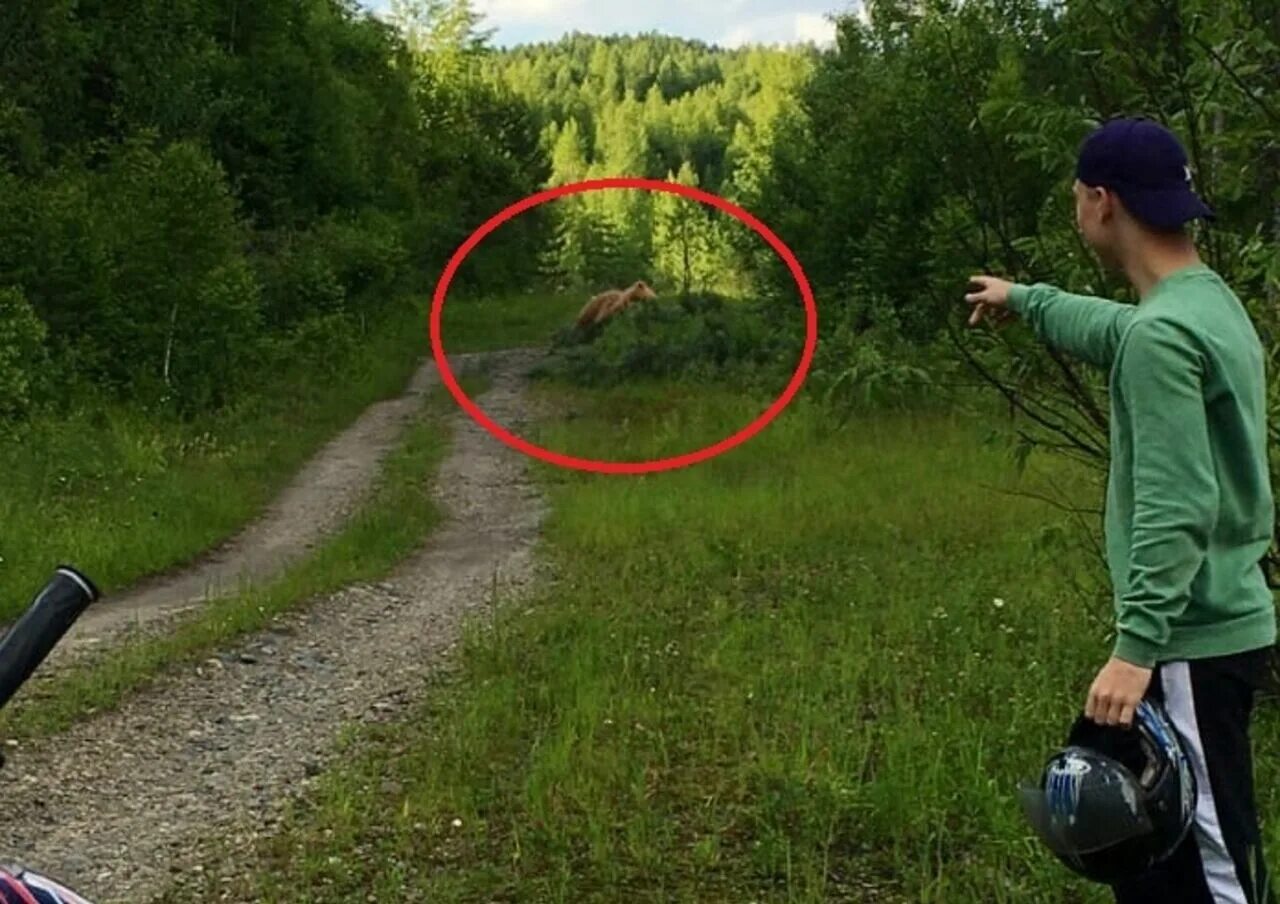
{"x":1081,"y":325}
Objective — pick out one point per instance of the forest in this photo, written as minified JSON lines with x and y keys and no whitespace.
{"x":221,"y":224}
{"x":196,"y":192}
{"x":288,"y":169}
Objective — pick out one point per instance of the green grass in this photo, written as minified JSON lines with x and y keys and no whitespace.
{"x":773,"y":677}
{"x":392,"y":523}
{"x":517,"y":319}
{"x":122,"y":494}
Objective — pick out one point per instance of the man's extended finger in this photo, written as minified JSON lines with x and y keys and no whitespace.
{"x":976,"y":316}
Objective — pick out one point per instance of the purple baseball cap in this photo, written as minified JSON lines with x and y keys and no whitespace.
{"x":1146,"y":166}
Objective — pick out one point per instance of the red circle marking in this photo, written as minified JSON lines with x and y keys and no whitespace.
{"x":621,"y":467}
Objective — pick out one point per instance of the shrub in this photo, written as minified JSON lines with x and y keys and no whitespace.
{"x":21,"y":351}
{"x":701,"y":337}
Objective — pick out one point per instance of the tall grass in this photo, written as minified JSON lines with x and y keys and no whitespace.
{"x":812,"y":669}
{"x":122,"y":492}
{"x":529,"y":318}
{"x":390,"y":525}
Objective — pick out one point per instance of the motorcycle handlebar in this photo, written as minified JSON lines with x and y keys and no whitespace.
{"x":47,"y":619}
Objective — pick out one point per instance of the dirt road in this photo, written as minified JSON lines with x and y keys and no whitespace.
{"x":122,"y":802}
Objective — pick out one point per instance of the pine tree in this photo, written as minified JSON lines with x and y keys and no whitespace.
{"x":604,"y":248}
{"x":647,"y":106}
{"x":681,"y":230}
{"x":669,"y":79}
{"x":568,"y":162}
{"x":560,"y":265}
{"x":447,"y":28}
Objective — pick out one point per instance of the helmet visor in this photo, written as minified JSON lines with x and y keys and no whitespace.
{"x":1081,"y":820}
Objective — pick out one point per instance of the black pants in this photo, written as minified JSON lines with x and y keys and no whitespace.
{"x":1210,"y":702}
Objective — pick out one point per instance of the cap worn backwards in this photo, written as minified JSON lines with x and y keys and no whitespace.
{"x":1146,"y":166}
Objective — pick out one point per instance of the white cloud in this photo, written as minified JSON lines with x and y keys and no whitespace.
{"x":818,"y":29}
{"x":737,"y":37}
{"x":505,"y":12}
{"x":787,"y":28}
{"x":727,"y":22}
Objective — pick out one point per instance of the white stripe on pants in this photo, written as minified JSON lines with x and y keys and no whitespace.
{"x":1219,"y":870}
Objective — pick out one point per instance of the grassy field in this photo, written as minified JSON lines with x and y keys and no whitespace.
{"x":517,"y":319}
{"x":391,"y":524}
{"x":810,"y":670}
{"x":139,"y":495}
{"x":123,"y":494}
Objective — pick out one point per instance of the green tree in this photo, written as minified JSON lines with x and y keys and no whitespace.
{"x":21,"y":344}
{"x":197,"y":180}
{"x":568,"y":161}
{"x":683,"y":237}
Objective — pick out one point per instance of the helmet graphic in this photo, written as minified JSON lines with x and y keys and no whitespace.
{"x":1114,"y":802}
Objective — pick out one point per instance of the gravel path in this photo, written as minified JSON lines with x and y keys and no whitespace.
{"x":119,"y":804}
{"x":317,"y":502}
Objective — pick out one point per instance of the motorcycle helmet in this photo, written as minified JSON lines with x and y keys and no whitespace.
{"x":23,"y":886}
{"x":1114,"y":801}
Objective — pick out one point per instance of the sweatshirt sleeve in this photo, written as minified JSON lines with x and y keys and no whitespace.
{"x":1081,"y":325}
{"x":1175,"y":493}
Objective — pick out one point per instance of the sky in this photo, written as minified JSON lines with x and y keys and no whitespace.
{"x":729,"y":23}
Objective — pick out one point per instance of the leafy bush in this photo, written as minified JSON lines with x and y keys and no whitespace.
{"x":323,"y":342}
{"x":21,"y":351}
{"x":367,"y":252}
{"x":862,"y":361}
{"x":340,"y":265}
{"x":700,"y":337}
{"x":211,"y":367}
{"x":135,"y":254}
{"x":297,"y":278}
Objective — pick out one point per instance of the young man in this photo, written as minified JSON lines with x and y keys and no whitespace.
{"x":1189,"y":510}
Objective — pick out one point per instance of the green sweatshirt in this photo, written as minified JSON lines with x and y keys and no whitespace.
{"x":1189,"y":510}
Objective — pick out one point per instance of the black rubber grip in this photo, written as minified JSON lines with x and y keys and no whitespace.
{"x":50,"y":615}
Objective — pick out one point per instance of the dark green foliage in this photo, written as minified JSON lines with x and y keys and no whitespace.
{"x":699,"y":337}
{"x":135,"y":265}
{"x":658,"y":107}
{"x":21,"y":333}
{"x":194,"y":193}
{"x":940,"y":140}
